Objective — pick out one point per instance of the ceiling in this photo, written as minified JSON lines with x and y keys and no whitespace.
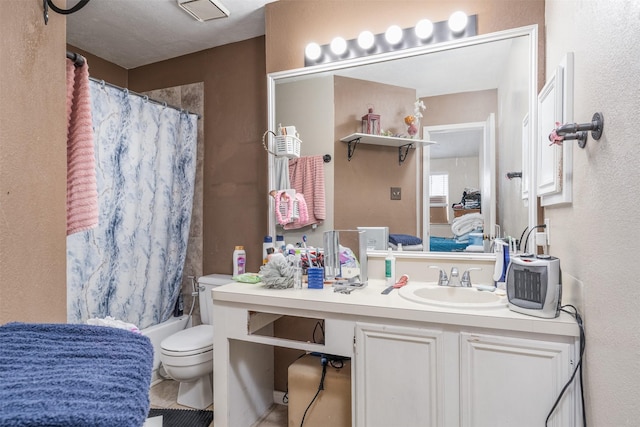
{"x":132,"y":33}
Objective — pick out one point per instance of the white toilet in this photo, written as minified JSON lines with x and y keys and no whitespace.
{"x":187,"y":356}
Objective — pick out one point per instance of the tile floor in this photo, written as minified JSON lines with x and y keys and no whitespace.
{"x":163,"y":395}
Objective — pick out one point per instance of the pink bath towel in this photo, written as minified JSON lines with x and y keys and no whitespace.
{"x":82,"y":192}
{"x":307,"y":177}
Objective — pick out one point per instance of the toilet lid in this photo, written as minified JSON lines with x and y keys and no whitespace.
{"x":199,"y":339}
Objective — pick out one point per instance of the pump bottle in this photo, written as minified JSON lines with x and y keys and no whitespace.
{"x":390,"y":268}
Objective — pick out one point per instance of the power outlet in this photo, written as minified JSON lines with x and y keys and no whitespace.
{"x":396,"y":193}
{"x":547,"y":230}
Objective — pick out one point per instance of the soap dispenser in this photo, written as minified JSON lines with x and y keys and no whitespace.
{"x":390,"y":268}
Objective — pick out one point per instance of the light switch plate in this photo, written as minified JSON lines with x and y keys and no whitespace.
{"x":396,"y":193}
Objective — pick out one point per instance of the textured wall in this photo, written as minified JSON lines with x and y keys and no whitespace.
{"x":597,"y":236}
{"x":33,"y":156}
{"x":235,"y":191}
{"x":290,"y":25}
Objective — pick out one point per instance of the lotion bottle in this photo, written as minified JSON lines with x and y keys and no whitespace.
{"x":297,"y":270}
{"x":266,"y":244}
{"x":390,"y":268}
{"x":239,"y":260}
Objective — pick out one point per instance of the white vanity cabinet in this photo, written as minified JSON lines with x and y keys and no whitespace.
{"x":398,"y":376}
{"x":429,"y":376}
{"x":411,"y":365}
{"x":509,"y":381}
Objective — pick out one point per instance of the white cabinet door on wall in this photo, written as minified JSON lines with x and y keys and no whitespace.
{"x":549,"y":157}
{"x":506,"y":381}
{"x":398,"y":374}
{"x":555,"y":162}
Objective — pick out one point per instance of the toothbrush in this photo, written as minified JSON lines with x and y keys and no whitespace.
{"x":403,"y":280}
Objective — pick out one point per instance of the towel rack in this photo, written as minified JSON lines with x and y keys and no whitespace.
{"x":78,"y":60}
{"x":46,"y":4}
{"x":578,"y":132}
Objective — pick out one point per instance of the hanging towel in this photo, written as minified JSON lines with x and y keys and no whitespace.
{"x":307,"y":177}
{"x":281,"y":167}
{"x":82,"y":193}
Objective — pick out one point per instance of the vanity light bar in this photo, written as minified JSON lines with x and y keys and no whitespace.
{"x":395,"y":38}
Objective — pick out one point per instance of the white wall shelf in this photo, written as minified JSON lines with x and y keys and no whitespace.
{"x":389,"y":141}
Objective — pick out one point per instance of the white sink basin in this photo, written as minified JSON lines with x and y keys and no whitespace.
{"x":453,"y":297}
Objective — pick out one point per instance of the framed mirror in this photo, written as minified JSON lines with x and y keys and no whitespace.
{"x":477,"y":92}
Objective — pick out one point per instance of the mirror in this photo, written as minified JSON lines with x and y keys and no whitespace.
{"x":478,"y":93}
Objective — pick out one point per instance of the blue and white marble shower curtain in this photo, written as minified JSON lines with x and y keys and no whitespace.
{"x":130,"y":267}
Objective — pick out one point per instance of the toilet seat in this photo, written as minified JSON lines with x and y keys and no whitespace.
{"x":189,"y":342}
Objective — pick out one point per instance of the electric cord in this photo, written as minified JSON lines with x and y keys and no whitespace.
{"x":324,"y":362}
{"x":319,"y":325}
{"x":526,"y":241}
{"x":522,"y":236}
{"x":578,"y":368}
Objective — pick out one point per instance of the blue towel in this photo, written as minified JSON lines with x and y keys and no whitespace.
{"x":73,"y":376}
{"x":404,"y":239}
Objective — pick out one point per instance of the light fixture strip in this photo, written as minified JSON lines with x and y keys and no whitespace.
{"x":441,"y":33}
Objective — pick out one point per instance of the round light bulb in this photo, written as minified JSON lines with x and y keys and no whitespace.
{"x":313,"y":51}
{"x":393,"y":35}
{"x":366,"y":40}
{"x":424,"y":29}
{"x":338,"y":46}
{"x":458,"y":22}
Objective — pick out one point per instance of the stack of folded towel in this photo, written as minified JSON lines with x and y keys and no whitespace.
{"x":465,"y":224}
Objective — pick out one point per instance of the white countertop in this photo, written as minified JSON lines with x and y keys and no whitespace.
{"x":370,"y":302}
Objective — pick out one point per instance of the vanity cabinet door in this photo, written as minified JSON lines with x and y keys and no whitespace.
{"x":398,"y":376}
{"x":507,"y":381}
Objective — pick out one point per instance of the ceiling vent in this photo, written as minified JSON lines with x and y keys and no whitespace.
{"x":204,"y":10}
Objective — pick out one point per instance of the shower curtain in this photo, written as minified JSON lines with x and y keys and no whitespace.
{"x":130,"y":266}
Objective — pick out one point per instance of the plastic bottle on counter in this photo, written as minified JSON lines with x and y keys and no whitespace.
{"x":297,"y":270}
{"x":390,"y":268}
{"x":281,"y":246}
{"x":266,"y":244}
{"x":239,"y":260}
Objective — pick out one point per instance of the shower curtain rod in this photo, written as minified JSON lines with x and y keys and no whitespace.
{"x":78,"y":61}
{"x":146,"y":97}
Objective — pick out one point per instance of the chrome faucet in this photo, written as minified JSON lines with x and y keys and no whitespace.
{"x":443,"y":280}
{"x":454,"y":277}
{"x":466,"y":277}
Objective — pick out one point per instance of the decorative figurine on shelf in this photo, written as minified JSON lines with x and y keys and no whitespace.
{"x":413,"y":120}
{"x":371,"y":123}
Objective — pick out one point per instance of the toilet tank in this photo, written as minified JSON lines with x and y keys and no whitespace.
{"x":209,"y":282}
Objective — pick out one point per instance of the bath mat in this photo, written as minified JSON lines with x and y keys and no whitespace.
{"x":183,"y":417}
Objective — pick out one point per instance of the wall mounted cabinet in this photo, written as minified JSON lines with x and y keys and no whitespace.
{"x":555,"y":162}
